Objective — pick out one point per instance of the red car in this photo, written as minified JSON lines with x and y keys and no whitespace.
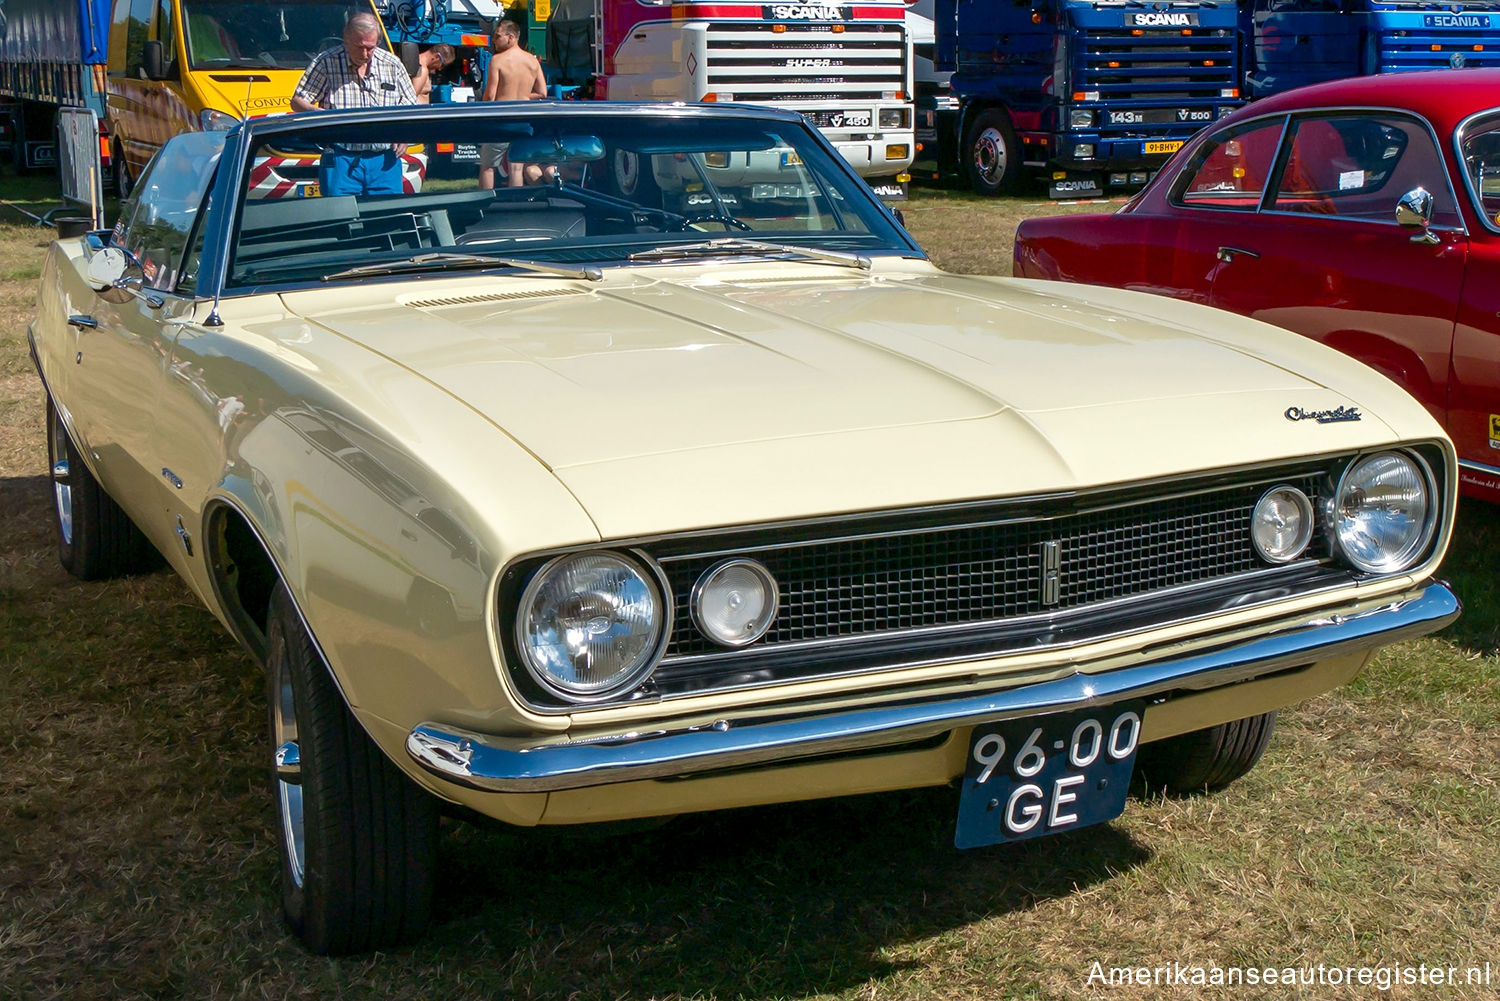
{"x":1364,"y":213}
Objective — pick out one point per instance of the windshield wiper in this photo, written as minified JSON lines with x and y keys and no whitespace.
{"x":445,"y":261}
{"x":735,"y":245}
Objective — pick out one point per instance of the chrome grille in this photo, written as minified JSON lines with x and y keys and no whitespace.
{"x":806,"y":61}
{"x":989,"y":572}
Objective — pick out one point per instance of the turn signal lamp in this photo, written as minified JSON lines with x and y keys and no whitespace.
{"x":1036,"y":17}
{"x":735,"y":602}
{"x":778,"y":29}
{"x":838,"y":29}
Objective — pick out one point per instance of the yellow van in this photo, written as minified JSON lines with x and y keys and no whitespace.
{"x":189,"y":65}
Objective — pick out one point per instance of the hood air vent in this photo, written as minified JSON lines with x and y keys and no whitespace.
{"x":474,"y":300}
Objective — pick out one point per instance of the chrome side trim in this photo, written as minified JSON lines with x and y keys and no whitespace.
{"x":496,"y":764}
{"x":1478,"y":467}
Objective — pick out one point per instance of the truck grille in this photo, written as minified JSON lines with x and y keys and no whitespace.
{"x":1415,"y":50}
{"x":806,"y":62}
{"x":987,"y":572}
{"x":1157,"y":66}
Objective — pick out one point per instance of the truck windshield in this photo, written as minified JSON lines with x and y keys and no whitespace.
{"x":222,"y":34}
{"x":413,"y":192}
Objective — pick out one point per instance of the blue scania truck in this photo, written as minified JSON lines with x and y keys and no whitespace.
{"x":52,"y":56}
{"x":1094,"y":93}
{"x":1291,"y":43}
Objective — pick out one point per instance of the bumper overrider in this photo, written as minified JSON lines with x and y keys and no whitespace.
{"x":511,"y":765}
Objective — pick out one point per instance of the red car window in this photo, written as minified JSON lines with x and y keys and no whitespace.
{"x":1358,"y":166}
{"x":1230,"y":171}
{"x":1479,"y":144}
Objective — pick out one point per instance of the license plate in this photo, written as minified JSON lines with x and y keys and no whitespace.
{"x":1164,"y":147}
{"x":1048,"y":774}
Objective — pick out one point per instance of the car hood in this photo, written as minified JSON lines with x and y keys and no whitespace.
{"x":839,"y":390}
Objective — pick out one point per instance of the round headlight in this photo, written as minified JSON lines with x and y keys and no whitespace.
{"x":590,"y":625}
{"x":1282,"y":524}
{"x":735,"y":602}
{"x":1382,"y":514}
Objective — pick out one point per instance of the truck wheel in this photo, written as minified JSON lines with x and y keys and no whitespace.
{"x":358,"y":838}
{"x":632,"y":178}
{"x":96,"y":540}
{"x":1205,"y":760}
{"x":992,"y":156}
{"x":121,"y":174}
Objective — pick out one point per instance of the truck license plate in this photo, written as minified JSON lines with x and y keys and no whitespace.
{"x":1047,"y":774}
{"x":1164,"y":147}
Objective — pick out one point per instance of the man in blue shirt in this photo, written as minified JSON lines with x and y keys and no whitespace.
{"x":358,"y":74}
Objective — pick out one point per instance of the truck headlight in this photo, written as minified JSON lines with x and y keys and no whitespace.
{"x":1080,"y":118}
{"x":1282,"y":524}
{"x":590,"y":625}
{"x":894,"y":118}
{"x":1382,"y":514}
{"x":216,"y":121}
{"x":1083,"y":151}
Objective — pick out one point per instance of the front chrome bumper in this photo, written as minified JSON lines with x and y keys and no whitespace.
{"x":493,"y":765}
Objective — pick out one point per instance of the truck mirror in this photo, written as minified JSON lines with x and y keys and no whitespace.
{"x":411,"y":58}
{"x":153,"y":61}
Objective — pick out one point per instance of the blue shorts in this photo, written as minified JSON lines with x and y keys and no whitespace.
{"x":374,"y":173}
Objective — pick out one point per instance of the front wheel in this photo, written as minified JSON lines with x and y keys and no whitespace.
{"x":1205,"y":760}
{"x":358,"y":838}
{"x":992,"y":156}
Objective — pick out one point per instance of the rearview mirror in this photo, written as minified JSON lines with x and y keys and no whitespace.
{"x":154,"y":61}
{"x":1415,"y":210}
{"x":556,"y":149}
{"x":117,"y":276}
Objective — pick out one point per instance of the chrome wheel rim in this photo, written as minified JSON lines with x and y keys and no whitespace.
{"x":62,"y":481}
{"x":989,"y":155}
{"x":288,"y":764}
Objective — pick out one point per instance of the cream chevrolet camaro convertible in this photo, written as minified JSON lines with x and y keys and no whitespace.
{"x":678,"y":479}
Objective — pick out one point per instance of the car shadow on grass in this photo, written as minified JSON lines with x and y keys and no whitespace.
{"x":772,"y":901}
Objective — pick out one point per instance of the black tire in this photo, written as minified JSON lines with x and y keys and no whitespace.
{"x":631,"y":178}
{"x":119,"y":170}
{"x":1205,"y":760}
{"x":991,"y":154}
{"x":362,"y":875}
{"x":96,"y":540}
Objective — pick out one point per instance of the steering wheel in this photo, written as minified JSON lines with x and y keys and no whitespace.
{"x":727,"y":221}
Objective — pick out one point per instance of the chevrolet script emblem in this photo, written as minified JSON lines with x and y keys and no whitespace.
{"x":1324,"y":416}
{"x":1051,"y":572}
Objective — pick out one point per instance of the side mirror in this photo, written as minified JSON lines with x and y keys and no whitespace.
{"x":117,"y":276}
{"x":411,"y":58}
{"x":154,"y":61}
{"x":1414,"y":211}
{"x":900,"y":217}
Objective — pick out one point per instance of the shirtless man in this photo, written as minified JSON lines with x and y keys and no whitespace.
{"x":514,"y":75}
{"x":429,"y":64}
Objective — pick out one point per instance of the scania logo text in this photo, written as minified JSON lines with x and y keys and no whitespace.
{"x":1162,"y":19}
{"x":804,"y":12}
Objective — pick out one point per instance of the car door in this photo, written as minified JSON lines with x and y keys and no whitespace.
{"x":1325,"y":256}
{"x":122,"y":357}
{"x":1474,"y":378}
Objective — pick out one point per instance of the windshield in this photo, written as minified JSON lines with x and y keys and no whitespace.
{"x":559,"y":189}
{"x":222,"y":33}
{"x":1479,"y":151}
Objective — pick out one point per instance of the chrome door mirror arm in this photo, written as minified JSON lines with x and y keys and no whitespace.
{"x":1415,"y":210}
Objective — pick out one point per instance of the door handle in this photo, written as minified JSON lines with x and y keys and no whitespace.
{"x":1226,"y":254}
{"x":82,"y":320}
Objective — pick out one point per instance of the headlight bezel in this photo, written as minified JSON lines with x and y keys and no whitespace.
{"x":1412,"y":555}
{"x":655,"y":579}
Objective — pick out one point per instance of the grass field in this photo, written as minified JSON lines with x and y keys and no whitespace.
{"x":137,"y":852}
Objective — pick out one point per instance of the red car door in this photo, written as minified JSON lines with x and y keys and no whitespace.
{"x":1326,"y":258}
{"x":1474,"y":381}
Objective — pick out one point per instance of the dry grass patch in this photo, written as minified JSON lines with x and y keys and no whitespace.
{"x":139,"y":860}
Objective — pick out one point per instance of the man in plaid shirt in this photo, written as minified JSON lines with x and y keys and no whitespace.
{"x":359,"y":74}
